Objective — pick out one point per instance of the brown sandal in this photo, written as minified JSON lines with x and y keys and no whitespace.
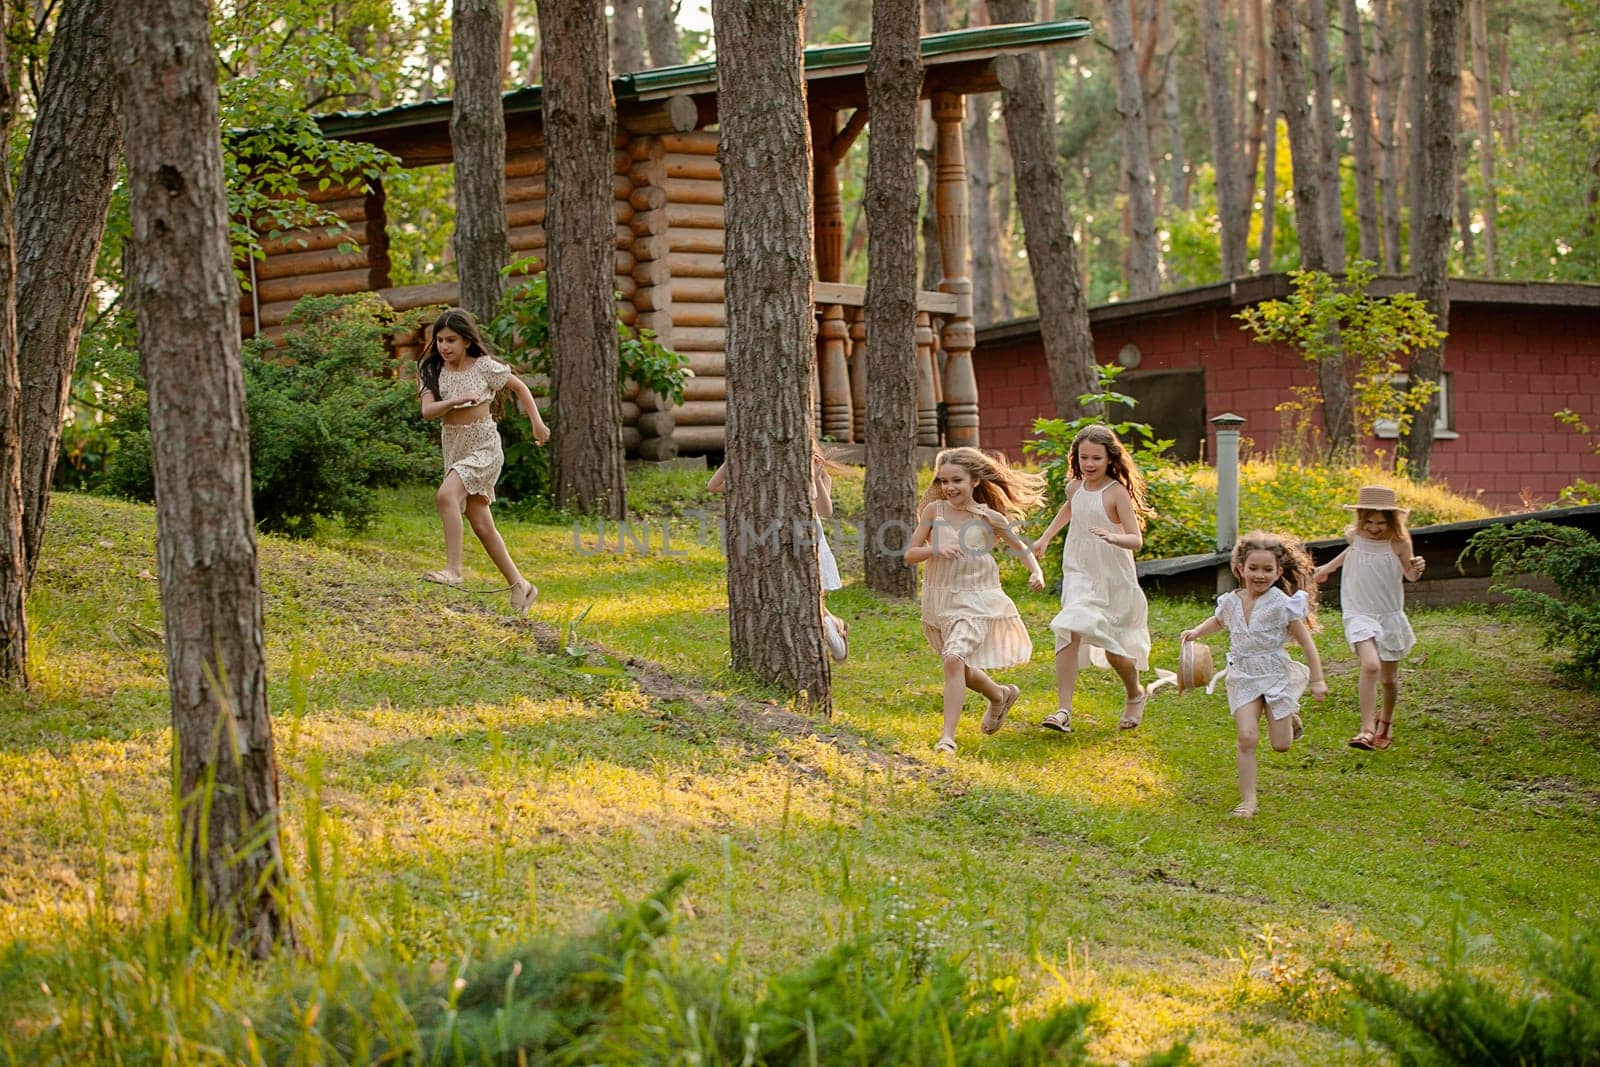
{"x":1363,"y":741}
{"x":1381,"y":739}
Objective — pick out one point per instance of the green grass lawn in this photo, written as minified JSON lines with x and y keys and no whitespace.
{"x":463,"y":780}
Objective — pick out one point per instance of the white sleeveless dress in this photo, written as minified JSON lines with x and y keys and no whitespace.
{"x":1372,"y":599}
{"x":1100,"y":596}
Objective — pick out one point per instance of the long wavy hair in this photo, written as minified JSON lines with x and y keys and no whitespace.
{"x":995,"y":484}
{"x":1295,"y":569}
{"x":1396,"y":520}
{"x":430,"y":363}
{"x":1120,"y":466}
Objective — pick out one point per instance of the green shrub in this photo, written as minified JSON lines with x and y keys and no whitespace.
{"x":1570,"y":558}
{"x":327,"y":423}
{"x":1554,"y":1018}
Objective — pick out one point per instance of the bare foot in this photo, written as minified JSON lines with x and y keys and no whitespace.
{"x":1245,"y":810}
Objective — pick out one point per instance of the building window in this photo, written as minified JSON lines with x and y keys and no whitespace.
{"x":1444,"y":417}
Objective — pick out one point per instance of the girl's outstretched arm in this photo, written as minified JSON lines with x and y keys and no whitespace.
{"x":921,"y":546}
{"x":1322,"y":572}
{"x":1211,"y":626}
{"x":1411,"y":565}
{"x":1063,"y":515}
{"x":541,"y":432}
{"x":433,"y":407}
{"x":1030,"y":559}
{"x":1127,"y":534}
{"x":1302,"y":634}
{"x":821,"y":490}
{"x":719,"y":480}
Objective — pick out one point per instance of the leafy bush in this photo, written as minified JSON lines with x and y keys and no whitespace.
{"x":1465,"y":1019}
{"x":1570,"y":558}
{"x":327,"y":424}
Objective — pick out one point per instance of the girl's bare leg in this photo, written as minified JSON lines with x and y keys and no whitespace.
{"x":1129,"y":674}
{"x":1389,"y":678}
{"x":1367,"y":687}
{"x":1067,"y":672}
{"x":483,"y":525}
{"x":955,"y":694}
{"x":979,"y":682}
{"x":448,"y":501}
{"x":1280,"y":732}
{"x":1247,"y":719}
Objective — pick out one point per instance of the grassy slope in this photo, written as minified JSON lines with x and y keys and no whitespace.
{"x":476,"y":787}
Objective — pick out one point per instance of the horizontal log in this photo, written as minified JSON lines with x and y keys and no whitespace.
{"x":695,"y":168}
{"x":525,"y":163}
{"x":696,"y":216}
{"x":698,"y":439}
{"x":625,"y":261}
{"x":697,"y":290}
{"x":692,"y":143}
{"x":647,"y":172}
{"x":651,"y":297}
{"x":645,"y":147}
{"x":650,"y":224}
{"x":627,"y":314}
{"x":652,"y":272}
{"x":655,"y":423}
{"x":410,"y":297}
{"x":711,"y":365}
{"x":696,"y":264}
{"x":310,"y":192}
{"x":352,"y":211}
{"x":824,"y":293}
{"x":630,"y":411}
{"x":521,"y":190}
{"x":694,"y":191}
{"x":648,"y":198}
{"x":331,"y":283}
{"x":314,"y":239}
{"x":657,"y":449}
{"x":699,"y":338}
{"x":675,"y":114}
{"x":692,"y":315}
{"x":523,"y":238}
{"x":630,"y":439}
{"x":705,"y":388}
{"x":697,"y":241}
{"x":299,"y":264}
{"x":702,"y":413}
{"x":625,"y":286}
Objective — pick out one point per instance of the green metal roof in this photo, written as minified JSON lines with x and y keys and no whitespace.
{"x":820,"y":61}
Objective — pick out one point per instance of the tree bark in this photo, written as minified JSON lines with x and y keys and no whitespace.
{"x":1046,"y":230}
{"x":1438,"y":184}
{"x":661,"y":34}
{"x":1483,"y":98}
{"x":1269,"y":176}
{"x":13,"y":550}
{"x":1171,"y":109}
{"x":1144,"y":254}
{"x":1416,"y":135}
{"x":894,"y":82}
{"x":1385,"y":86}
{"x":774,"y":588}
{"x":627,"y":37}
{"x":180,"y":283}
{"x":1357,"y":96}
{"x":478,"y":140}
{"x":586,"y":465}
{"x":68,"y":172}
{"x":1332,"y":200}
{"x":1233,"y":209}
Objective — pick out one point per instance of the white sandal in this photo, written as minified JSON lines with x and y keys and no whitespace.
{"x":1059,"y":720}
{"x":995,"y":717}
{"x":521,"y":601}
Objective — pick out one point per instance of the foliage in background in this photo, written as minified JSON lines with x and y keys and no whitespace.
{"x":1463,"y":1018}
{"x":1331,"y":320}
{"x":1581,"y":491}
{"x":328,"y":424}
{"x":1570,"y":558}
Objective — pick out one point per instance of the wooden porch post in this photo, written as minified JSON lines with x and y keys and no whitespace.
{"x":950,"y":174}
{"x":833,"y":333}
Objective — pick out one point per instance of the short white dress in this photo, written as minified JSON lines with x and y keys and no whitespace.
{"x":965,"y":613}
{"x":473,"y":449}
{"x":1100,"y":596}
{"x":1258,"y":664}
{"x":1373,"y":601}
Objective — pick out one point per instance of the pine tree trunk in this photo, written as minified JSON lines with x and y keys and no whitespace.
{"x":1144,"y":254}
{"x":1047,"y":232}
{"x":180,"y":283}
{"x":1233,"y":210}
{"x":1357,"y":96}
{"x":1386,"y":86}
{"x":894,"y":81}
{"x":586,"y":465}
{"x":661,"y":34}
{"x":1438,"y":184}
{"x":1416,"y":25}
{"x":1263,"y":118}
{"x":774,"y":588}
{"x":1171,"y":110}
{"x":13,"y":550}
{"x":1332,"y":200}
{"x":68,"y":172}
{"x":478,"y":140}
{"x":627,"y":37}
{"x":1483,"y":98}
{"x":1269,"y":177}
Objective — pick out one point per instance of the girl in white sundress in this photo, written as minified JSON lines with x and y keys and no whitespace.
{"x":966,"y":616}
{"x":1104,"y":618}
{"x":458,"y":377}
{"x":1275,"y":602}
{"x":1372,"y":600}
{"x":834,"y":629}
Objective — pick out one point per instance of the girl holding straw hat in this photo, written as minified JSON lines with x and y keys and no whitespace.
{"x":1372,"y":600}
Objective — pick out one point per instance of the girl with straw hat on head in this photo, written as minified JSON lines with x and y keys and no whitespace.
{"x":1373,"y":601}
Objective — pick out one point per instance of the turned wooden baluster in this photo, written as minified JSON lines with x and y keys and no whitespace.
{"x":858,"y":371}
{"x":957,"y":338}
{"x":927,"y":385}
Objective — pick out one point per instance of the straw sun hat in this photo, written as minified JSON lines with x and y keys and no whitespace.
{"x":1194,"y":666}
{"x":1376,"y":498}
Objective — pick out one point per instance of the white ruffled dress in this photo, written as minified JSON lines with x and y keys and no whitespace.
{"x":1101,"y":600}
{"x":1258,"y":664}
{"x":1372,"y":599}
{"x":965,"y":612}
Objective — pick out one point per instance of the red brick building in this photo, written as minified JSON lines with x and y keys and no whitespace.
{"x":1518,"y":352}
